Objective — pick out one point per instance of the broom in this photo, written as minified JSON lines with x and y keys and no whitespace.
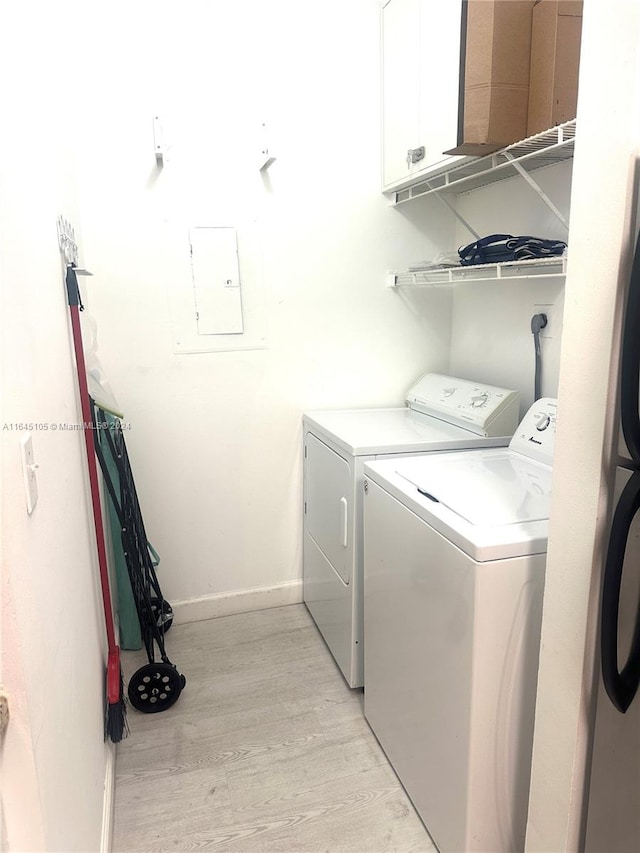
{"x":115,"y":715}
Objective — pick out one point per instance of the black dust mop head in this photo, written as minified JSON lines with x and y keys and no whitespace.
{"x":115,"y":726}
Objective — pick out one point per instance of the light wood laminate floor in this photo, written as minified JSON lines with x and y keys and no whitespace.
{"x":267,"y":749}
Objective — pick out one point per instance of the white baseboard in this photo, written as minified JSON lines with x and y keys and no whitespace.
{"x":238,"y":601}
{"x":106,"y":838}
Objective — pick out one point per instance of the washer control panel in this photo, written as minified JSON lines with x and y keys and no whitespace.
{"x":483,"y":409}
{"x":535,"y":436}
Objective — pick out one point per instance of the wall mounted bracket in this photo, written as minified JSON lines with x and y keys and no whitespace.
{"x":468,"y":173}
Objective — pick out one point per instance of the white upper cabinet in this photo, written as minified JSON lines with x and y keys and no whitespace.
{"x":420,"y":82}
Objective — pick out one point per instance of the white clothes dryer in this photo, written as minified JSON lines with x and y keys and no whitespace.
{"x":442,"y":413}
{"x":454,"y":558}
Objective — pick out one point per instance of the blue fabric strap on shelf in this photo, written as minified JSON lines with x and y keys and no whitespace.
{"x":498,"y":248}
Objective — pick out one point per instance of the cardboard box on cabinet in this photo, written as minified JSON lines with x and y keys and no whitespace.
{"x":555,"y":60}
{"x":494,"y":74}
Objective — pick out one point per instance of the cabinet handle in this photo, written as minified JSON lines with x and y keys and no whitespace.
{"x":414,"y":155}
{"x":344,"y":521}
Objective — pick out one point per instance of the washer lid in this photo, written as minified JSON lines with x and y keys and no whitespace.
{"x":486,"y":489}
{"x":491,"y":503}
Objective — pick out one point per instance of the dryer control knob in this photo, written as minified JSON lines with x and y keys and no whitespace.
{"x":543,"y":422}
{"x":479,"y":401}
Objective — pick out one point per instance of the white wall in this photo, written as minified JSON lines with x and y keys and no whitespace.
{"x":53,"y":758}
{"x":216,"y":437}
{"x":491,"y":329}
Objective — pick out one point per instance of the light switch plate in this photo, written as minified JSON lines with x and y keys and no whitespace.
{"x":29,"y":471}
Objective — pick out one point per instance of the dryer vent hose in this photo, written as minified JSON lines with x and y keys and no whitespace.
{"x":538,"y":322}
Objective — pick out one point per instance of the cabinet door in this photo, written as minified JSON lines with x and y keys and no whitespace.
{"x":420,"y":74}
{"x":400,"y":87}
{"x":440,"y":28}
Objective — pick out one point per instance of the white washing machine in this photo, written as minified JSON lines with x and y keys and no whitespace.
{"x":454,"y":558}
{"x":442,"y":413}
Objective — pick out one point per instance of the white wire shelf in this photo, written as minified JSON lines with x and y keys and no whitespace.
{"x":534,"y":268}
{"x":544,"y":149}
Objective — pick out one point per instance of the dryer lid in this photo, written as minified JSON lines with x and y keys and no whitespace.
{"x":487,"y":489}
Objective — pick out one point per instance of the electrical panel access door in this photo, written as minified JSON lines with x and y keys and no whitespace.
{"x":216,"y":280}
{"x":328,"y":510}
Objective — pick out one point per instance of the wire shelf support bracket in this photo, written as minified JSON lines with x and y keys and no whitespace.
{"x":555,"y":267}
{"x":470,"y":173}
